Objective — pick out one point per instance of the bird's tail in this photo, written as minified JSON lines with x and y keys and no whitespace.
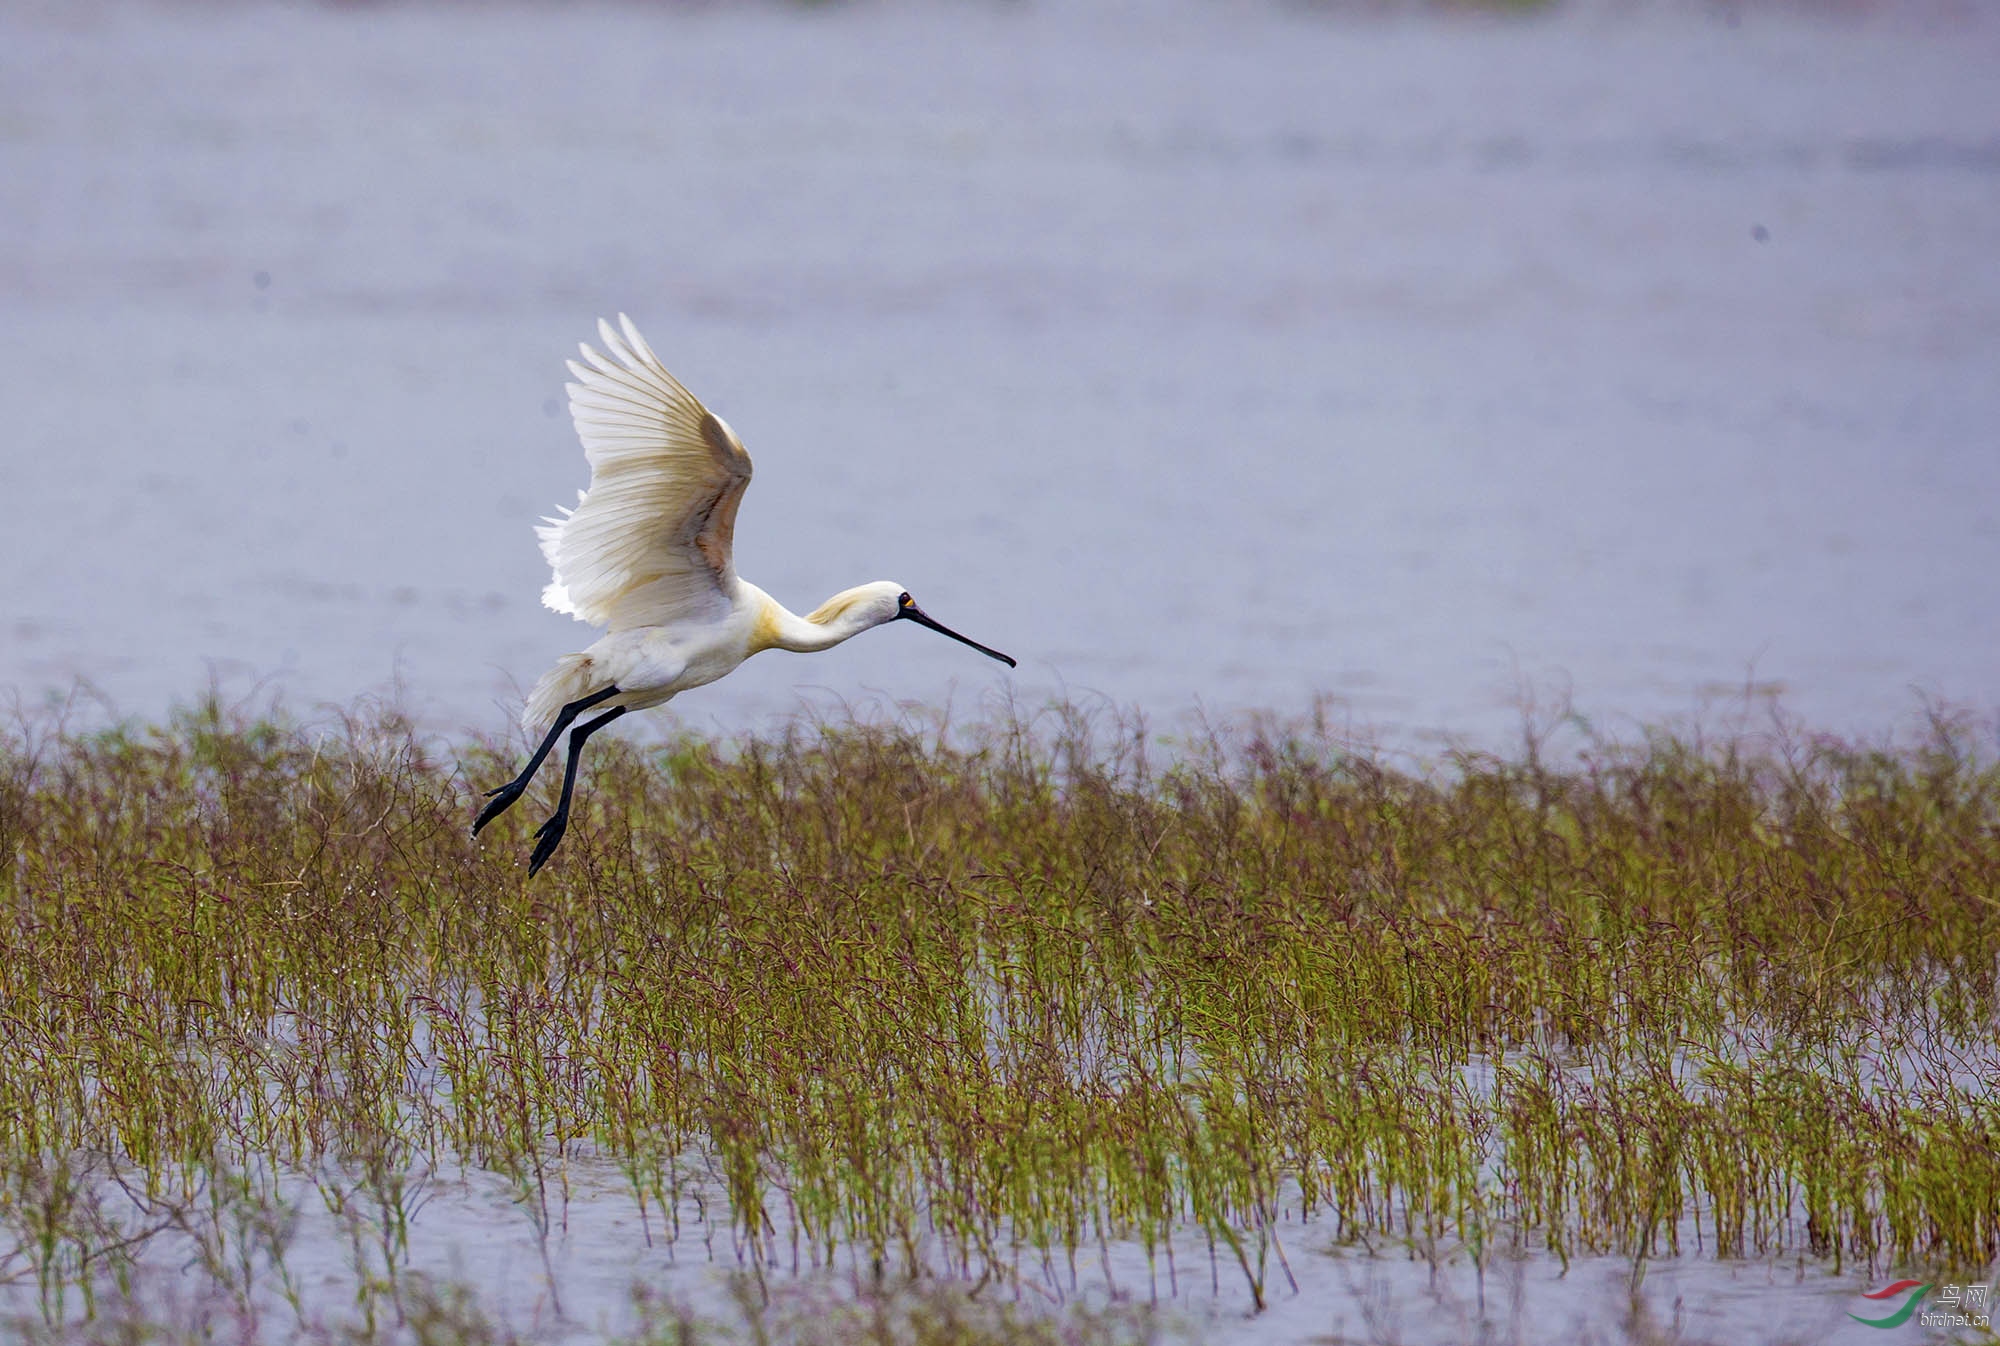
{"x":574,"y":677}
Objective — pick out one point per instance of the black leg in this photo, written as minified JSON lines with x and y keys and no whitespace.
{"x":504,"y":797}
{"x":550,"y":833}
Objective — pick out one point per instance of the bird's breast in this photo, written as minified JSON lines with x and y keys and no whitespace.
{"x":713,"y":649}
{"x":706,"y":663}
{"x":766,"y":626}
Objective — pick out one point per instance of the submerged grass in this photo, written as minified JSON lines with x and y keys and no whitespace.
{"x":983,"y":1003}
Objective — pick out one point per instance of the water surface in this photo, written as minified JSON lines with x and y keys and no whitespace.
{"x":1218,"y":354}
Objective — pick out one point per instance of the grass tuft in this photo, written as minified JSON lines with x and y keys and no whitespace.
{"x":984,"y":1003}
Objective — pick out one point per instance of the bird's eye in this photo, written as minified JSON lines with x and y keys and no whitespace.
{"x":904,"y":600}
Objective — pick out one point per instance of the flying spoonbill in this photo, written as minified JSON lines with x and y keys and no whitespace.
{"x":646,"y":554}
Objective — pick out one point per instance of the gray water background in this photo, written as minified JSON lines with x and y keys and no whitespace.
{"x":571,"y":1271}
{"x":1198,"y":351}
{"x":1195,"y":352}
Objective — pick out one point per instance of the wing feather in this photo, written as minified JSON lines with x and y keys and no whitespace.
{"x":652,"y":539}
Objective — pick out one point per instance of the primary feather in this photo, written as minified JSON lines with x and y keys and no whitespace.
{"x":651,"y":540}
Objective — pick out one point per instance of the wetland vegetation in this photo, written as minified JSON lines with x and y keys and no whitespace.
{"x":973,"y":1005}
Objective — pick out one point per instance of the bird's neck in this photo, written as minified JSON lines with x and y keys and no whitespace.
{"x":779,"y":628}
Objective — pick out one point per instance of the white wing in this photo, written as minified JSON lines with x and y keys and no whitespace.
{"x":650,"y":541}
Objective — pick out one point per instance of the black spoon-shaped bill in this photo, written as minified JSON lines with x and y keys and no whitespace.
{"x":920,"y":617}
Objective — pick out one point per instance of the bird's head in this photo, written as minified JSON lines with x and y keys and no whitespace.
{"x":887,"y":601}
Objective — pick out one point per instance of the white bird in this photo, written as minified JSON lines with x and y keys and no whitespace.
{"x":646,"y":554}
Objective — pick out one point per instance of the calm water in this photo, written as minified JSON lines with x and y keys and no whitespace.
{"x":578,"y":1286}
{"x":1203,"y":353}
{"x":1219,"y":353}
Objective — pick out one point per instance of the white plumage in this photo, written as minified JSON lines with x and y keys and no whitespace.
{"x":648,"y":553}
{"x":650,"y":541}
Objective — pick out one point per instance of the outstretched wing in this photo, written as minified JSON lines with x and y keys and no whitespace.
{"x":650,"y":541}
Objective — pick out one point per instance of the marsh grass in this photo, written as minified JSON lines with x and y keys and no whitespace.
{"x":982,"y":1003}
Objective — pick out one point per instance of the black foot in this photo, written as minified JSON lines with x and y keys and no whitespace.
{"x":551,"y":835}
{"x":503,"y":799}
